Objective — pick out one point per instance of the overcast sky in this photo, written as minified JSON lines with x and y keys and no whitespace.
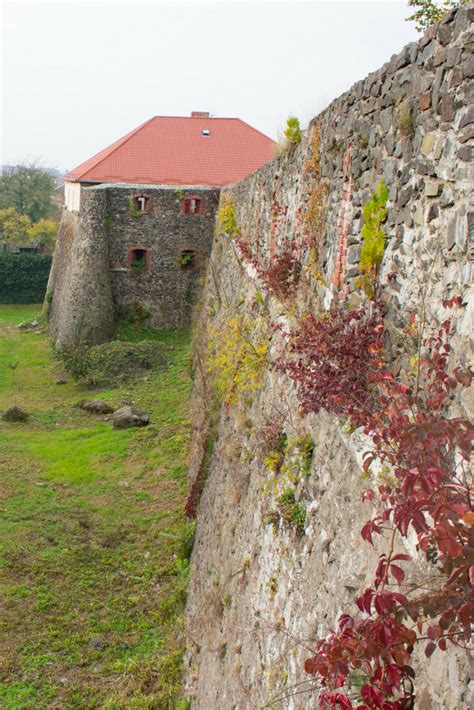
{"x":77,"y":75}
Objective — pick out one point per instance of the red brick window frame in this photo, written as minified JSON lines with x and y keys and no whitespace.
{"x":139,"y":255}
{"x":142,"y":203}
{"x":192,"y":205}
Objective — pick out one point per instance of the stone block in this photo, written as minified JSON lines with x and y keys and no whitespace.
{"x":433,"y":212}
{"x":425,"y":167}
{"x":425,"y":101}
{"x":445,"y":33}
{"x":438,"y":147}
{"x":426,"y":51}
{"x":447,"y":198}
{"x":453,"y":57}
{"x":438,"y":80}
{"x":368,"y":106}
{"x":468,"y":67}
{"x":470,"y":227}
{"x":467,"y":117}
{"x":404,"y":196}
{"x":446,"y":108}
{"x":432,"y":188}
{"x":439,"y":57}
{"x":466,"y":134}
{"x":352,"y":256}
{"x":418,"y":217}
{"x":451,"y":234}
{"x":427,"y":144}
{"x":465,"y":153}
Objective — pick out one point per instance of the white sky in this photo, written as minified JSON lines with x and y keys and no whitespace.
{"x":77,"y":75}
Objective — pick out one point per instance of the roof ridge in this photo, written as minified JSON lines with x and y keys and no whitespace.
{"x":256,"y":130}
{"x":201,"y":118}
{"x":119,"y":144}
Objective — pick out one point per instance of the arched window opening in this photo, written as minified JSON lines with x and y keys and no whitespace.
{"x":187,"y":259}
{"x":138,"y":259}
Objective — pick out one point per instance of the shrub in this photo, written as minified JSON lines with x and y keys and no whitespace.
{"x":292,"y":512}
{"x":283,"y":275}
{"x":238,"y":357}
{"x":138,"y":266}
{"x":406,"y":124}
{"x":111,"y":362}
{"x":227,"y":216}
{"x":75,"y":358}
{"x":24,"y":277}
{"x":333,"y":358}
{"x":292,"y":131}
{"x":289,"y":462}
{"x":121,"y":360}
{"x":133,"y":312}
{"x":187,"y":259}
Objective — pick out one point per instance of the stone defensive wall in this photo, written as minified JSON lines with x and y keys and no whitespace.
{"x":260,"y":594}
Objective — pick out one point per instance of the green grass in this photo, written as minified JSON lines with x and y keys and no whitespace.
{"x":92,"y":587}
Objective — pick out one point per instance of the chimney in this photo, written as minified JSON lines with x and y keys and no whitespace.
{"x":199,"y":114}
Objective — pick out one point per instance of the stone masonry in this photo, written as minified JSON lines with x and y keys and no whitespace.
{"x":260,"y":594}
{"x":94,"y":279}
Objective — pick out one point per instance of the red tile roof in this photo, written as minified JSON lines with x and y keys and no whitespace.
{"x":172,"y":150}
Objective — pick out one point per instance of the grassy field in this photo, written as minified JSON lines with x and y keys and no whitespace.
{"x":93,"y":543}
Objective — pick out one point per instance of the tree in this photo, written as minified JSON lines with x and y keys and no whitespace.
{"x":14,"y":227}
{"x":430,"y":11}
{"x":44,"y":232}
{"x":28,"y":190}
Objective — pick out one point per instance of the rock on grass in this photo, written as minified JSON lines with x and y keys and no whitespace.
{"x":127,"y":417}
{"x":96,"y":406}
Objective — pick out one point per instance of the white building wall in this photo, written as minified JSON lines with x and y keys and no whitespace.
{"x":72,"y":196}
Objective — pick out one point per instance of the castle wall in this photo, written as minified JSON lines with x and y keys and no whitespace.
{"x":93,"y":278}
{"x":260,"y":594}
{"x":166,"y":289}
{"x":79,"y":298}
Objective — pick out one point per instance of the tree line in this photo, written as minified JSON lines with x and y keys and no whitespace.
{"x":28,"y":216}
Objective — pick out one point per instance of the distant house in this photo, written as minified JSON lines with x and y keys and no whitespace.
{"x":175,"y":150}
{"x":139,"y":221}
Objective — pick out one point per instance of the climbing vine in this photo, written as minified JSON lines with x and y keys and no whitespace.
{"x":373,"y":239}
{"x":227,"y":216}
{"x":365,"y":661}
{"x":238,"y":357}
{"x":333,"y":357}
